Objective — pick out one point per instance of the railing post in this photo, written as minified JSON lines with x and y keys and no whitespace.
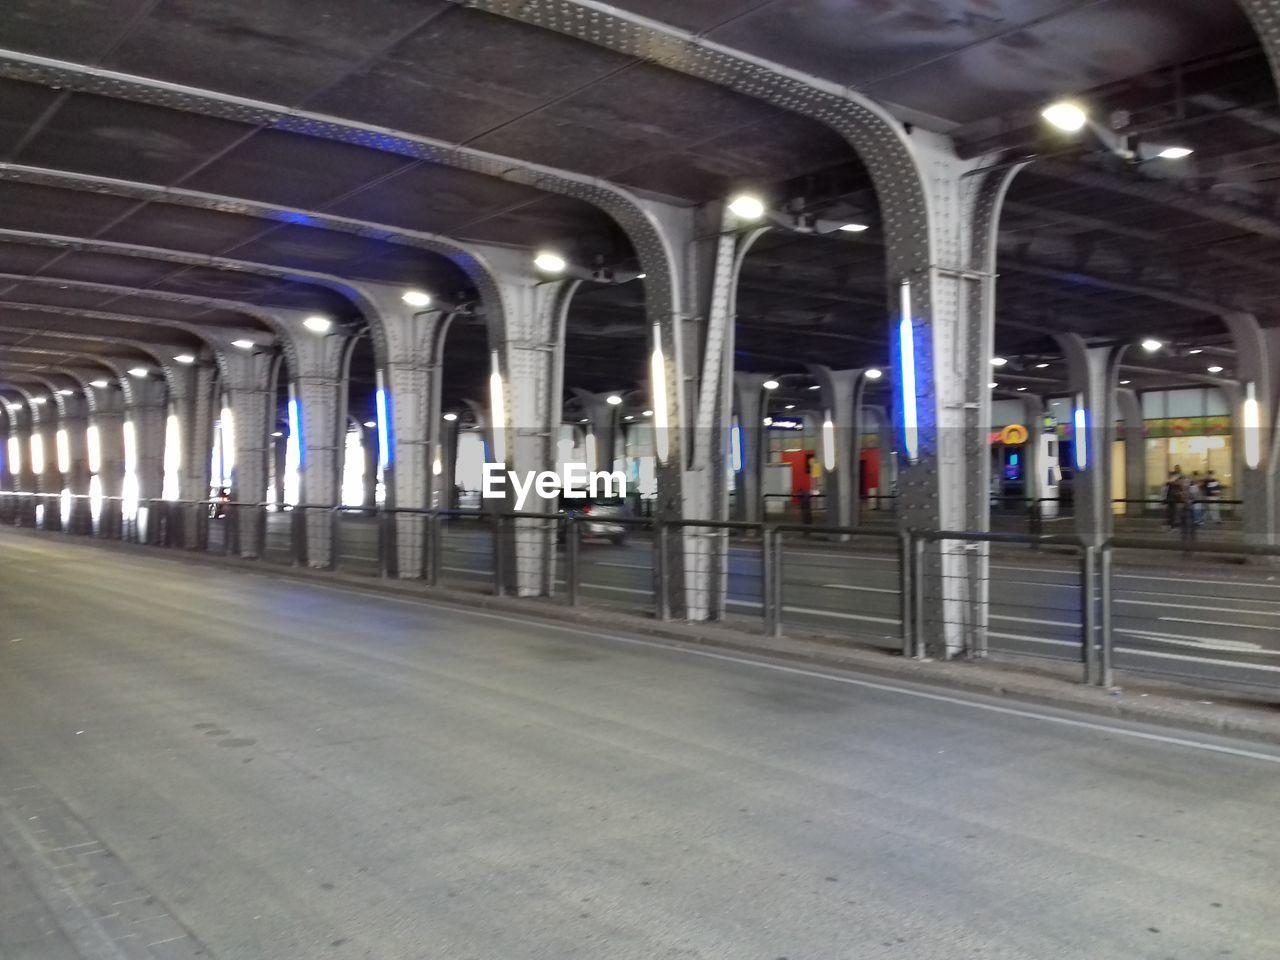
{"x":766,"y":579}
{"x":385,"y":524}
{"x":435,"y":549}
{"x":1088,"y":611}
{"x":1105,"y":637}
{"x":661,"y":592}
{"x":778,"y":611}
{"x":906,"y":586}
{"x":571,"y":557}
{"x":917,"y":600}
{"x":297,"y":534}
{"x":499,"y":561}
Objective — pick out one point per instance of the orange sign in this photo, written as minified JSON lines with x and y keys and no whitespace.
{"x":1013,"y":435}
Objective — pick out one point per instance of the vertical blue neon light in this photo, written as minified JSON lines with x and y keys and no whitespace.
{"x":1081,"y":437}
{"x":383,"y":404}
{"x":295,"y":430}
{"x":907,"y":363}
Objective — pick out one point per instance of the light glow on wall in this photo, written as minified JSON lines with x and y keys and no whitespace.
{"x":907,"y":369}
{"x":129,"y":488}
{"x":37,"y":454}
{"x":93,"y":448}
{"x":172,"y":459}
{"x":658,"y":390}
{"x":498,"y":409}
{"x":63,"y":447}
{"x":15,"y":456}
{"x":1080,"y":421}
{"x":1251,"y":420}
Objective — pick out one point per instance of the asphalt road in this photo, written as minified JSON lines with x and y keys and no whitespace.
{"x":1196,"y":618}
{"x":215,"y":763}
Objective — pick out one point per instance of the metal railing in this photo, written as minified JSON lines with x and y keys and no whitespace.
{"x":940,"y":593}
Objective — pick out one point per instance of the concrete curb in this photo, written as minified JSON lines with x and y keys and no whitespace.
{"x":1168,"y":706}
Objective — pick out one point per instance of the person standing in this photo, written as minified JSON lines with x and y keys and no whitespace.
{"x":1213,"y":494}
{"x":1172,"y":494}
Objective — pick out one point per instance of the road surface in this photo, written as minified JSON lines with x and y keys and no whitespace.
{"x":209,"y":762}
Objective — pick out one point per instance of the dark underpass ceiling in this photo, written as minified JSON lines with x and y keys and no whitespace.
{"x":1088,"y":243}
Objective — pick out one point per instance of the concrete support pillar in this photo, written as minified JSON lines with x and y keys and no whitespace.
{"x":42,"y":457}
{"x":319,"y":391}
{"x":749,"y":407}
{"x":526,"y":338}
{"x":446,"y":487}
{"x":941,"y":261}
{"x":1032,"y":469}
{"x":146,"y":413}
{"x":601,"y":427}
{"x":249,"y":387}
{"x":191,"y":403}
{"x":841,"y":393}
{"x":106,"y":415}
{"x":1255,"y":435}
{"x":73,"y":420}
{"x":1092,"y":373}
{"x":1129,"y":407}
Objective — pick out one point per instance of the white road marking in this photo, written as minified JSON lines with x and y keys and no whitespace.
{"x":1195,"y":606}
{"x":1218,"y":623}
{"x":1208,"y":643}
{"x":848,"y":586}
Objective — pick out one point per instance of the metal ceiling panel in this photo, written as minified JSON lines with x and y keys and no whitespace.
{"x":146,"y":307}
{"x":132,"y":141}
{"x":465,"y":73}
{"x":92,"y":344}
{"x":68,"y":29}
{"x":432,"y":197}
{"x":695,"y":16}
{"x":52,"y":295}
{"x":283,"y":51}
{"x":28,"y":207}
{"x":252,"y":288}
{"x":1098,"y":44}
{"x":293,"y":170}
{"x":185,"y":228}
{"x":19,"y":258}
{"x":104,"y":268}
{"x":643,"y":113}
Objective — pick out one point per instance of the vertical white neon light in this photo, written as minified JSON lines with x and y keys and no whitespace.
{"x":172,"y":458}
{"x":658,"y":387}
{"x":498,"y":409}
{"x":907,"y":361}
{"x":735,"y":441}
{"x":93,"y":448}
{"x":1080,"y":421}
{"x":828,"y":443}
{"x":15,"y":456}
{"x":1251,"y":420}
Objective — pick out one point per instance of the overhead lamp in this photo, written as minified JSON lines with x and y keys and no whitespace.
{"x":1041,"y":366}
{"x":815,"y":387}
{"x":771,"y":384}
{"x":789,"y":406}
{"x":1215,"y":369}
{"x":1174,"y":153}
{"x":184,"y":358}
{"x":875,"y":373}
{"x":138,"y":372}
{"x":1194,"y":350}
{"x":277,"y":433}
{"x":1022,"y":389}
{"x":100,"y":384}
{"x":317,"y":324}
{"x":585,"y":420}
{"x":747,"y":206}
{"x":1066,"y":116}
{"x":550,"y":262}
{"x":1151,"y":346}
{"x":767,"y":421}
{"x":613,"y":400}
{"x":1125,"y":383}
{"x":992,"y":385}
{"x":648,"y":413}
{"x":998,"y":361}
{"x":242,"y":344}
{"x":641,"y":276}
{"x":853,"y":227}
{"x":37,"y":401}
{"x":451,"y":417}
{"x":416,"y":298}
{"x":370,"y":424}
{"x":65,"y":392}
{"x":628,"y":417}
